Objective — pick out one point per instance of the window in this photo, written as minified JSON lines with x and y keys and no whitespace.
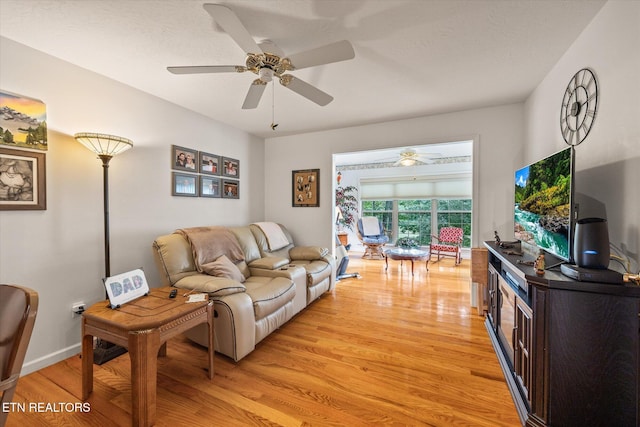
{"x":381,"y":209}
{"x":456,"y":213}
{"x":414,"y":220}
{"x":419,"y":218}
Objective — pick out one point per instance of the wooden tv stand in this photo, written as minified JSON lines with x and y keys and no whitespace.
{"x":576,"y":352}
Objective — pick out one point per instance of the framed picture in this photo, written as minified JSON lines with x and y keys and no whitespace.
{"x":126,"y":287}
{"x":210,"y":187}
{"x":22,"y":180}
{"x":230,"y":167}
{"x":209,"y":164}
{"x":183,"y":158}
{"x":23,"y":121}
{"x":184,"y":184}
{"x":306,"y":190}
{"x":231,"y":189}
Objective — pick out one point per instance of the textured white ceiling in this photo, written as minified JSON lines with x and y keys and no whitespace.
{"x":413,"y":57}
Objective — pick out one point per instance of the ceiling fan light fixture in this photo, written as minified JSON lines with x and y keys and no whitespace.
{"x":266,"y":74}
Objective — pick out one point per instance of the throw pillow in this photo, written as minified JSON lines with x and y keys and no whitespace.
{"x":223,"y":267}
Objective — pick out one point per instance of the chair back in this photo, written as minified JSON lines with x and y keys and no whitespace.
{"x":370,"y":226}
{"x":451,"y":235}
{"x":18,"y":308}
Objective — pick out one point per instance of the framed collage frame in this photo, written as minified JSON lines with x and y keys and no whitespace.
{"x":200,"y":174}
{"x":305,"y":188}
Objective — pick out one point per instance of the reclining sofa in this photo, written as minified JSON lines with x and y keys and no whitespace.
{"x":255,"y":274}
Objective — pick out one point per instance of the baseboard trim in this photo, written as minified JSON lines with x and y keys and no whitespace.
{"x":50,"y":359}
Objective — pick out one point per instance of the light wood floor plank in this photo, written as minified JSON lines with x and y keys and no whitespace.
{"x":386,"y":349}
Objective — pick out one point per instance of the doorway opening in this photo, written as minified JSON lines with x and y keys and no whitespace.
{"x":413,"y":190}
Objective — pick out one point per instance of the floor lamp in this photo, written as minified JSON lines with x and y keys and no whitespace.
{"x":105,"y":146}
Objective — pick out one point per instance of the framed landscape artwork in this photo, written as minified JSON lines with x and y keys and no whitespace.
{"x":22,"y":180}
{"x":305,"y":190}
{"x":23,"y":122}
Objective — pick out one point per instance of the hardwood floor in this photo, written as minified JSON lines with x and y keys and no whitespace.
{"x":385,"y":349}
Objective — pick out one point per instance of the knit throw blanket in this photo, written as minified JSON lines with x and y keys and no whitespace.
{"x":209,"y":243}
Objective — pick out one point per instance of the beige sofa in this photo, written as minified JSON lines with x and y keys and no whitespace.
{"x":278,"y":283}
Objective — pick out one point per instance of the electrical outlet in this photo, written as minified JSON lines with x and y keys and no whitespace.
{"x":77,"y":309}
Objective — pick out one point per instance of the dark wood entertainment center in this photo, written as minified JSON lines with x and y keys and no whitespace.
{"x":569,"y":350}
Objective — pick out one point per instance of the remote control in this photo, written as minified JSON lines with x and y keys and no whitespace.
{"x":173,"y":293}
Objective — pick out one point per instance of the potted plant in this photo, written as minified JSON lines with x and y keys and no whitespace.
{"x":347,"y":201}
{"x":407,"y":243}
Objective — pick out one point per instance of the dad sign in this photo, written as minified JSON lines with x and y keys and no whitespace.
{"x":126,"y":287}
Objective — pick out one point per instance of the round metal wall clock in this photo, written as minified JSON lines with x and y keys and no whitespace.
{"x":579,"y":107}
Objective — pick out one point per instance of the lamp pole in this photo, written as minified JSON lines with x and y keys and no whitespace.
{"x":105,"y":194}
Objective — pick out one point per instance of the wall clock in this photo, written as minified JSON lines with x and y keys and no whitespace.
{"x":579,"y":107}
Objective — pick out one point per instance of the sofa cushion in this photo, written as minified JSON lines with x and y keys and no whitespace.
{"x":269,"y":263}
{"x":307,"y":252}
{"x":276,"y":239}
{"x":316,"y":270}
{"x":214,"y":286}
{"x":173,"y":255}
{"x":247,"y":243}
{"x":261,"y":241}
{"x":223,"y":267}
{"x":269,"y":294}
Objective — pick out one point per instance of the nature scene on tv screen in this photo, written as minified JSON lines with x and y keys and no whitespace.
{"x":543,"y":203}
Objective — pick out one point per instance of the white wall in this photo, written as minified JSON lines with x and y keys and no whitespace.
{"x":499,"y":132}
{"x":608,"y":161}
{"x":59,"y":251}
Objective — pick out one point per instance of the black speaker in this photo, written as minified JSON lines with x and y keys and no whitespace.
{"x":591,"y":243}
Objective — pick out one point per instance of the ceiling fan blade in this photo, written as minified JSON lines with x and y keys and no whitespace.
{"x":252,"y":99}
{"x":203,"y":69}
{"x":230,"y":23}
{"x":305,"y":89}
{"x":334,"y":52}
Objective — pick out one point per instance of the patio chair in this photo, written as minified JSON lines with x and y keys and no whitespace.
{"x":371,"y":234}
{"x":449,"y":243}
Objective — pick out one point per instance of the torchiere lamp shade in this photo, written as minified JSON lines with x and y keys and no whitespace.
{"x":103,"y":145}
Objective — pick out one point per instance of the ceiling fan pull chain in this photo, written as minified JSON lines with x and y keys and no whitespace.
{"x":274,"y":125}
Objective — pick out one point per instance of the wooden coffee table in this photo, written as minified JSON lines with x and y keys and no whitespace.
{"x":143,"y":326}
{"x":405,"y":255}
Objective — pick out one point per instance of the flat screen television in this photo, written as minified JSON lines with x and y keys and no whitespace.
{"x":543,"y":203}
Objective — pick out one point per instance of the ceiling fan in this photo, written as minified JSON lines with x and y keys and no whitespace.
{"x":267,"y":60}
{"x":410,"y":157}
